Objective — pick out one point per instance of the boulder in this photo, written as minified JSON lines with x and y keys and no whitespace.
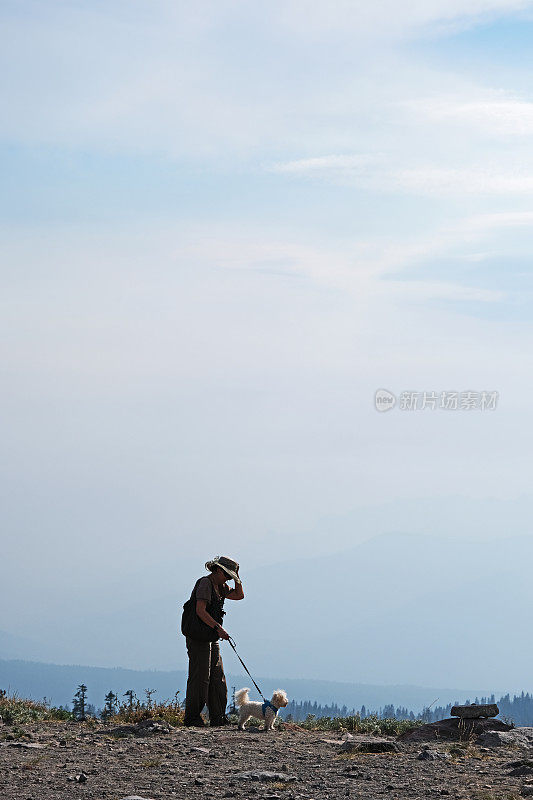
{"x":373,"y":745}
{"x":453,"y":729}
{"x":510,"y":738}
{"x":432,"y":755}
{"x":148,"y":726}
{"x":475,"y":711}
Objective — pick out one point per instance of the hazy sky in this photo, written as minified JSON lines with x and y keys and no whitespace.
{"x":224,"y":226}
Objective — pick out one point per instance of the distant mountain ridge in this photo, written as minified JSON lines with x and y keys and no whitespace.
{"x":58,"y":682}
{"x":398,"y":608}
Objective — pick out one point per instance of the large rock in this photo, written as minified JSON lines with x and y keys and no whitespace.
{"x":432,"y":755}
{"x":453,"y":729}
{"x":146,"y":727}
{"x":510,"y":738}
{"x":475,"y":711}
{"x":373,"y":745}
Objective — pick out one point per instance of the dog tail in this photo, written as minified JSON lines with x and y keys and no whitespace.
{"x":241,"y":697}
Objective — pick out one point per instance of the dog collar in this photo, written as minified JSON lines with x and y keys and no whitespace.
{"x":268,"y":704}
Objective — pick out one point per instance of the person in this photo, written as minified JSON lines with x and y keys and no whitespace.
{"x":206,"y":682}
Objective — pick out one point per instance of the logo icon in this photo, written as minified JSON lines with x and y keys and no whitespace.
{"x":384,"y":400}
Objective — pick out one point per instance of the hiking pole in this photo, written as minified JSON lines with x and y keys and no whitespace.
{"x":232,"y":643}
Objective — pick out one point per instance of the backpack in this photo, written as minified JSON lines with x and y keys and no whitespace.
{"x":191,"y":624}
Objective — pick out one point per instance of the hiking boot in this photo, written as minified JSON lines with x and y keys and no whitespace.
{"x":195,"y":723}
{"x":218,"y":723}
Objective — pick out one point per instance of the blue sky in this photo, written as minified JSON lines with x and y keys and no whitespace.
{"x":224,"y":226}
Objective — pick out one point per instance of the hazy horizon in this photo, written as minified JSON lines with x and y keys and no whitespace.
{"x":401,"y":604}
{"x":55,"y":681}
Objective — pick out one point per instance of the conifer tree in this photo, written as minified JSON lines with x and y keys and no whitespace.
{"x":130,"y":694}
{"x":78,"y":703}
{"x":110,"y":705}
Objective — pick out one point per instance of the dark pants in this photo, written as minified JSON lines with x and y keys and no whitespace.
{"x":206,"y":684}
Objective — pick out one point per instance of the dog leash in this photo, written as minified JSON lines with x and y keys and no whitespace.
{"x":232,"y":643}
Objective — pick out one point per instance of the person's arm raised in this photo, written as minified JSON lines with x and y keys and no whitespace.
{"x":237,"y":593}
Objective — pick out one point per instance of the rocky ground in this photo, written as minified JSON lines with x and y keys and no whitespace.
{"x":49,"y":760}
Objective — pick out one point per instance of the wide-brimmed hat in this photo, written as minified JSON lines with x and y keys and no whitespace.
{"x":227,"y":565}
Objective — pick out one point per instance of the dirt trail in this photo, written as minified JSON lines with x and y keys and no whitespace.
{"x":66,"y":761}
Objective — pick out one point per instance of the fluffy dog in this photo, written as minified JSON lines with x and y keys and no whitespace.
{"x":250,"y":708}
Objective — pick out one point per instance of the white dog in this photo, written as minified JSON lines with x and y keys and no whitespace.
{"x":267,"y":711}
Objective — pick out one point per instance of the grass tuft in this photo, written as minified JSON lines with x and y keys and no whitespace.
{"x":370,"y":725}
{"x":169,"y":710}
{"x":17,"y":711}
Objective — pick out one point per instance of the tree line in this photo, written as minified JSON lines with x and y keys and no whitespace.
{"x":517,"y":709}
{"x":81,"y":709}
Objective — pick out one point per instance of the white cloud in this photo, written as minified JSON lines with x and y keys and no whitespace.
{"x":502,"y":219}
{"x":436,"y":180}
{"x":330,"y":166}
{"x":168,"y":79}
{"x":386,"y":17}
{"x":492,"y":116}
{"x":422,"y":291}
{"x":378,"y":173}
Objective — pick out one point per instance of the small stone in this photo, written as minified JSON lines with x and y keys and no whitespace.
{"x":431,"y":755}
{"x":27,"y":745}
{"x":264,"y":776}
{"x":148,"y":727}
{"x":522,"y":770}
{"x":199,"y":782}
{"x":135,"y":797}
{"x":80,"y":778}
